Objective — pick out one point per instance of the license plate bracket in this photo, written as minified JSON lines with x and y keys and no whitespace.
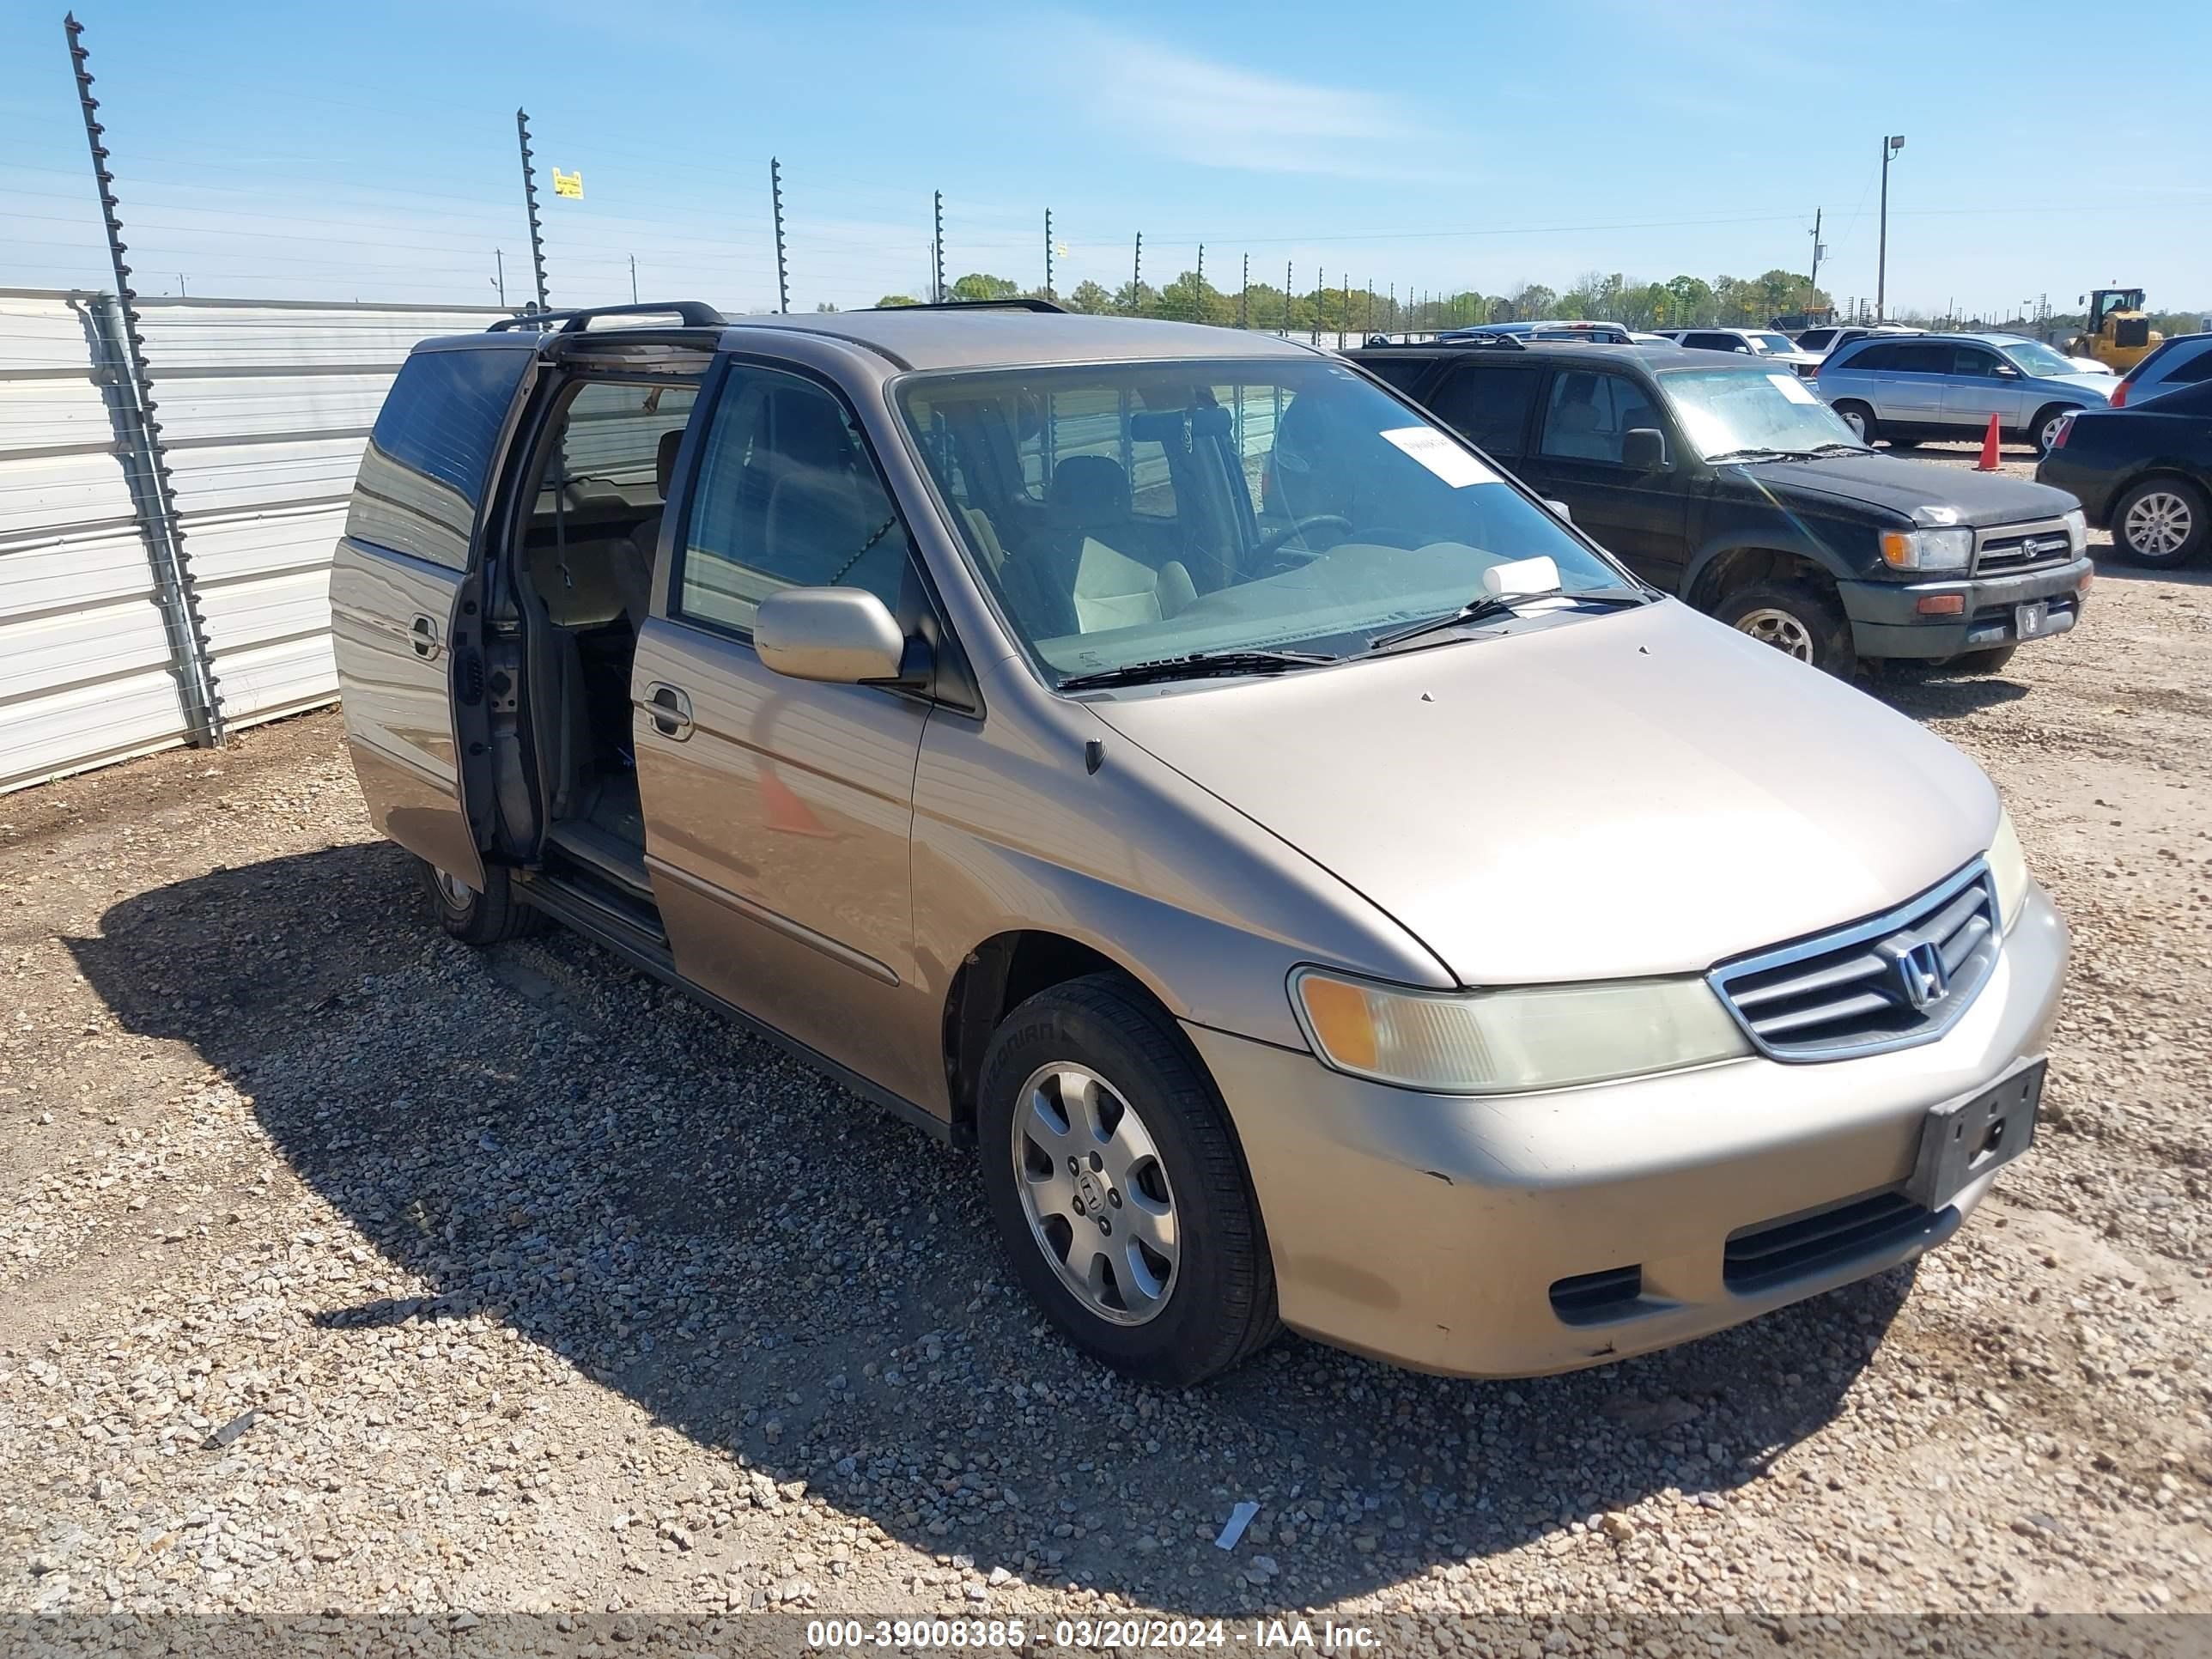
{"x":1964,"y":1140}
{"x":2029,"y":621}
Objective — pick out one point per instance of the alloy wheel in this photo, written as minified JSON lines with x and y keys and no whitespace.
{"x":2049,"y":435}
{"x":1856,"y":421}
{"x":1786,"y":632}
{"x":2159,"y":523}
{"x":457,"y":893}
{"x":1096,"y":1193}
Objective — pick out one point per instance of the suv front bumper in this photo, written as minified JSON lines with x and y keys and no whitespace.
{"x":1887,"y":620}
{"x":1435,"y":1230}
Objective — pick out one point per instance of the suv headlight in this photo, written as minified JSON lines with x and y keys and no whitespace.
{"x":1927,"y":550}
{"x":2077,"y":533}
{"x":1481,"y":1042}
{"x":2008,"y":868}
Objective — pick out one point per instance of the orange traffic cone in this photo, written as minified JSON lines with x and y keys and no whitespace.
{"x":1989,"y":461}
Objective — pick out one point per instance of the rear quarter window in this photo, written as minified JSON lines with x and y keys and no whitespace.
{"x":422,"y":476}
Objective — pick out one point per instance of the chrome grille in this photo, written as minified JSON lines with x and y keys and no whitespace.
{"x":2005,"y":548}
{"x":1888,"y":982}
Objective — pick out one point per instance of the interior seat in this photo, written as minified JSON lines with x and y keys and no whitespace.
{"x":1095,"y":576}
{"x":634,"y":559}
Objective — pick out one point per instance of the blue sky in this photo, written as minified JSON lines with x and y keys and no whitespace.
{"x":368,"y":151}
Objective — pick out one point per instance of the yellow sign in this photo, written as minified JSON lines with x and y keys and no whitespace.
{"x":569,"y":184}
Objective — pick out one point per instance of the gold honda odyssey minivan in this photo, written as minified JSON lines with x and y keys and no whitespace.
{"x":1325,"y":888}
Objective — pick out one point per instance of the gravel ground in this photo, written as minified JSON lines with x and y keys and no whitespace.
{"x":342,"y":1266}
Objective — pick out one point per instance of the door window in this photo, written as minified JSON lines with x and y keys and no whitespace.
{"x":423,"y":475}
{"x":1590,"y":413}
{"x":1974,"y":363}
{"x":1488,"y":404}
{"x":787,"y":496}
{"x":1918,"y":359}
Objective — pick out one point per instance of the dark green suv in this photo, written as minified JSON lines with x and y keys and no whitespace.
{"x":1732,"y":485}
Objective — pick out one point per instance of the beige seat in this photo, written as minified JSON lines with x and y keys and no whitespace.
{"x":1108,"y":586}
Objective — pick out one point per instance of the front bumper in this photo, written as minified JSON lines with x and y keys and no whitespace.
{"x":1886,"y":621}
{"x":1433,"y":1231}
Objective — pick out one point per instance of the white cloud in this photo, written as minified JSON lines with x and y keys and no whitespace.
{"x":1218,"y":115}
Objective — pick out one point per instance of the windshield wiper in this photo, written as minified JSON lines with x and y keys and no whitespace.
{"x":1502,"y":604}
{"x":1840,"y":449}
{"x":1196,"y":666}
{"x":1759,"y":453}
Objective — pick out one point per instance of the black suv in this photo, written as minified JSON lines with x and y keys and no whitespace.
{"x":1733,"y":485}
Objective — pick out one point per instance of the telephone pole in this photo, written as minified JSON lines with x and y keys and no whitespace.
{"x":530,"y":202}
{"x":1817,"y":251}
{"x":499,"y":264}
{"x":633,"y":279}
{"x":775,"y":195}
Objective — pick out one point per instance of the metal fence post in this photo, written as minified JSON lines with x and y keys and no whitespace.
{"x":124,"y":373}
{"x":530,"y":204}
{"x":782,"y":281}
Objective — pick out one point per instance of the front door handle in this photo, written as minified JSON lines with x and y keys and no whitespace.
{"x":670,"y":710}
{"x":423,"y":636}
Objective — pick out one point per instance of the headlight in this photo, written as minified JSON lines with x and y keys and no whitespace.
{"x":1481,"y":1042}
{"x":2008,"y":865}
{"x":1927,"y":550}
{"x":2077,"y":532}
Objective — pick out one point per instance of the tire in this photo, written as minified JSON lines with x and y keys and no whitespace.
{"x":1798,"y":618}
{"x":1860,"y":418}
{"x":1989,"y":660}
{"x":2046,"y":423}
{"x":1177,"y":1319}
{"x":475,"y":918}
{"x":2162,"y":523}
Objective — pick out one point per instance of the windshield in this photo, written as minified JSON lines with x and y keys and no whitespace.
{"x":1724,"y":410}
{"x":1127,"y":514}
{"x":1772,"y":343}
{"x":2033,"y":357}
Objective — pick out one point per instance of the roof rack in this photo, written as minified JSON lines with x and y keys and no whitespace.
{"x":1022,"y":302}
{"x":1485,"y":339}
{"x":695,"y":314}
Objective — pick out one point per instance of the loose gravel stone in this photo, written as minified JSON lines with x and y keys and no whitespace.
{"x":518,"y":1281}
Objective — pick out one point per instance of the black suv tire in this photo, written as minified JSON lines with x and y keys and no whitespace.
{"x":2185,"y":507}
{"x":1797,"y":617}
{"x":1218,"y":1304}
{"x":479,"y":918}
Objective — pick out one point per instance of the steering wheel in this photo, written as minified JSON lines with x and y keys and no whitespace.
{"x":1274,"y":545}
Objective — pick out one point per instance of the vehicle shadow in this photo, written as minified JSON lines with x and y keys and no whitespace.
{"x":2198,"y":574}
{"x":545,"y":1138}
{"x":1933,"y":694}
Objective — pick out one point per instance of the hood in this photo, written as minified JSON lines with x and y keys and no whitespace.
{"x":1908,"y":488}
{"x":2100,"y":385}
{"x":1594,"y":797}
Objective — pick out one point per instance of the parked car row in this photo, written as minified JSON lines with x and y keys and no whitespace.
{"x":1327,"y":887}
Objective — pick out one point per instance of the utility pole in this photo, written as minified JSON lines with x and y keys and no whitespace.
{"x":633,"y":279}
{"x":530,"y":203}
{"x":782,"y":278}
{"x":499,"y":281}
{"x":1047,"y":253}
{"x":937,"y":242}
{"x":1890,"y":146}
{"x":1818,"y":250}
{"x":1137,"y":275}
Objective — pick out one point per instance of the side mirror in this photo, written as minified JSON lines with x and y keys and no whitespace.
{"x":844,"y":635}
{"x":1645,"y":448}
{"x":1560,"y":508}
{"x":2006,"y":372}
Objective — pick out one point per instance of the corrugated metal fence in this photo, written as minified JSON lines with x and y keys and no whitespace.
{"x":264,"y":407}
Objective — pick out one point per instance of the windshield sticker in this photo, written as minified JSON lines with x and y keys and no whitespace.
{"x":1794,"y":388}
{"x":1441,"y":456}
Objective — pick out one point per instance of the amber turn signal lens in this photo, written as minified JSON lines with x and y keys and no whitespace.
{"x":1942,"y":604}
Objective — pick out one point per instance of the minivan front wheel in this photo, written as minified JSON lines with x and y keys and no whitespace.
{"x":1116,"y":1188}
{"x":1797,"y":619}
{"x":477,"y":917}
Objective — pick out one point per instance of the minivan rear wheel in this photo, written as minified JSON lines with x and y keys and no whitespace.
{"x":475,"y":917}
{"x":1797,"y":619}
{"x":1116,"y":1187}
{"x":1860,"y":419}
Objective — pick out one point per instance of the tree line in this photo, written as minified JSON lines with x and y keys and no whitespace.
{"x":1596,"y":296}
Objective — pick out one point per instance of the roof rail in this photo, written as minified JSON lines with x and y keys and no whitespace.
{"x":1485,"y":339}
{"x":1021,"y":302}
{"x":695,"y":314}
